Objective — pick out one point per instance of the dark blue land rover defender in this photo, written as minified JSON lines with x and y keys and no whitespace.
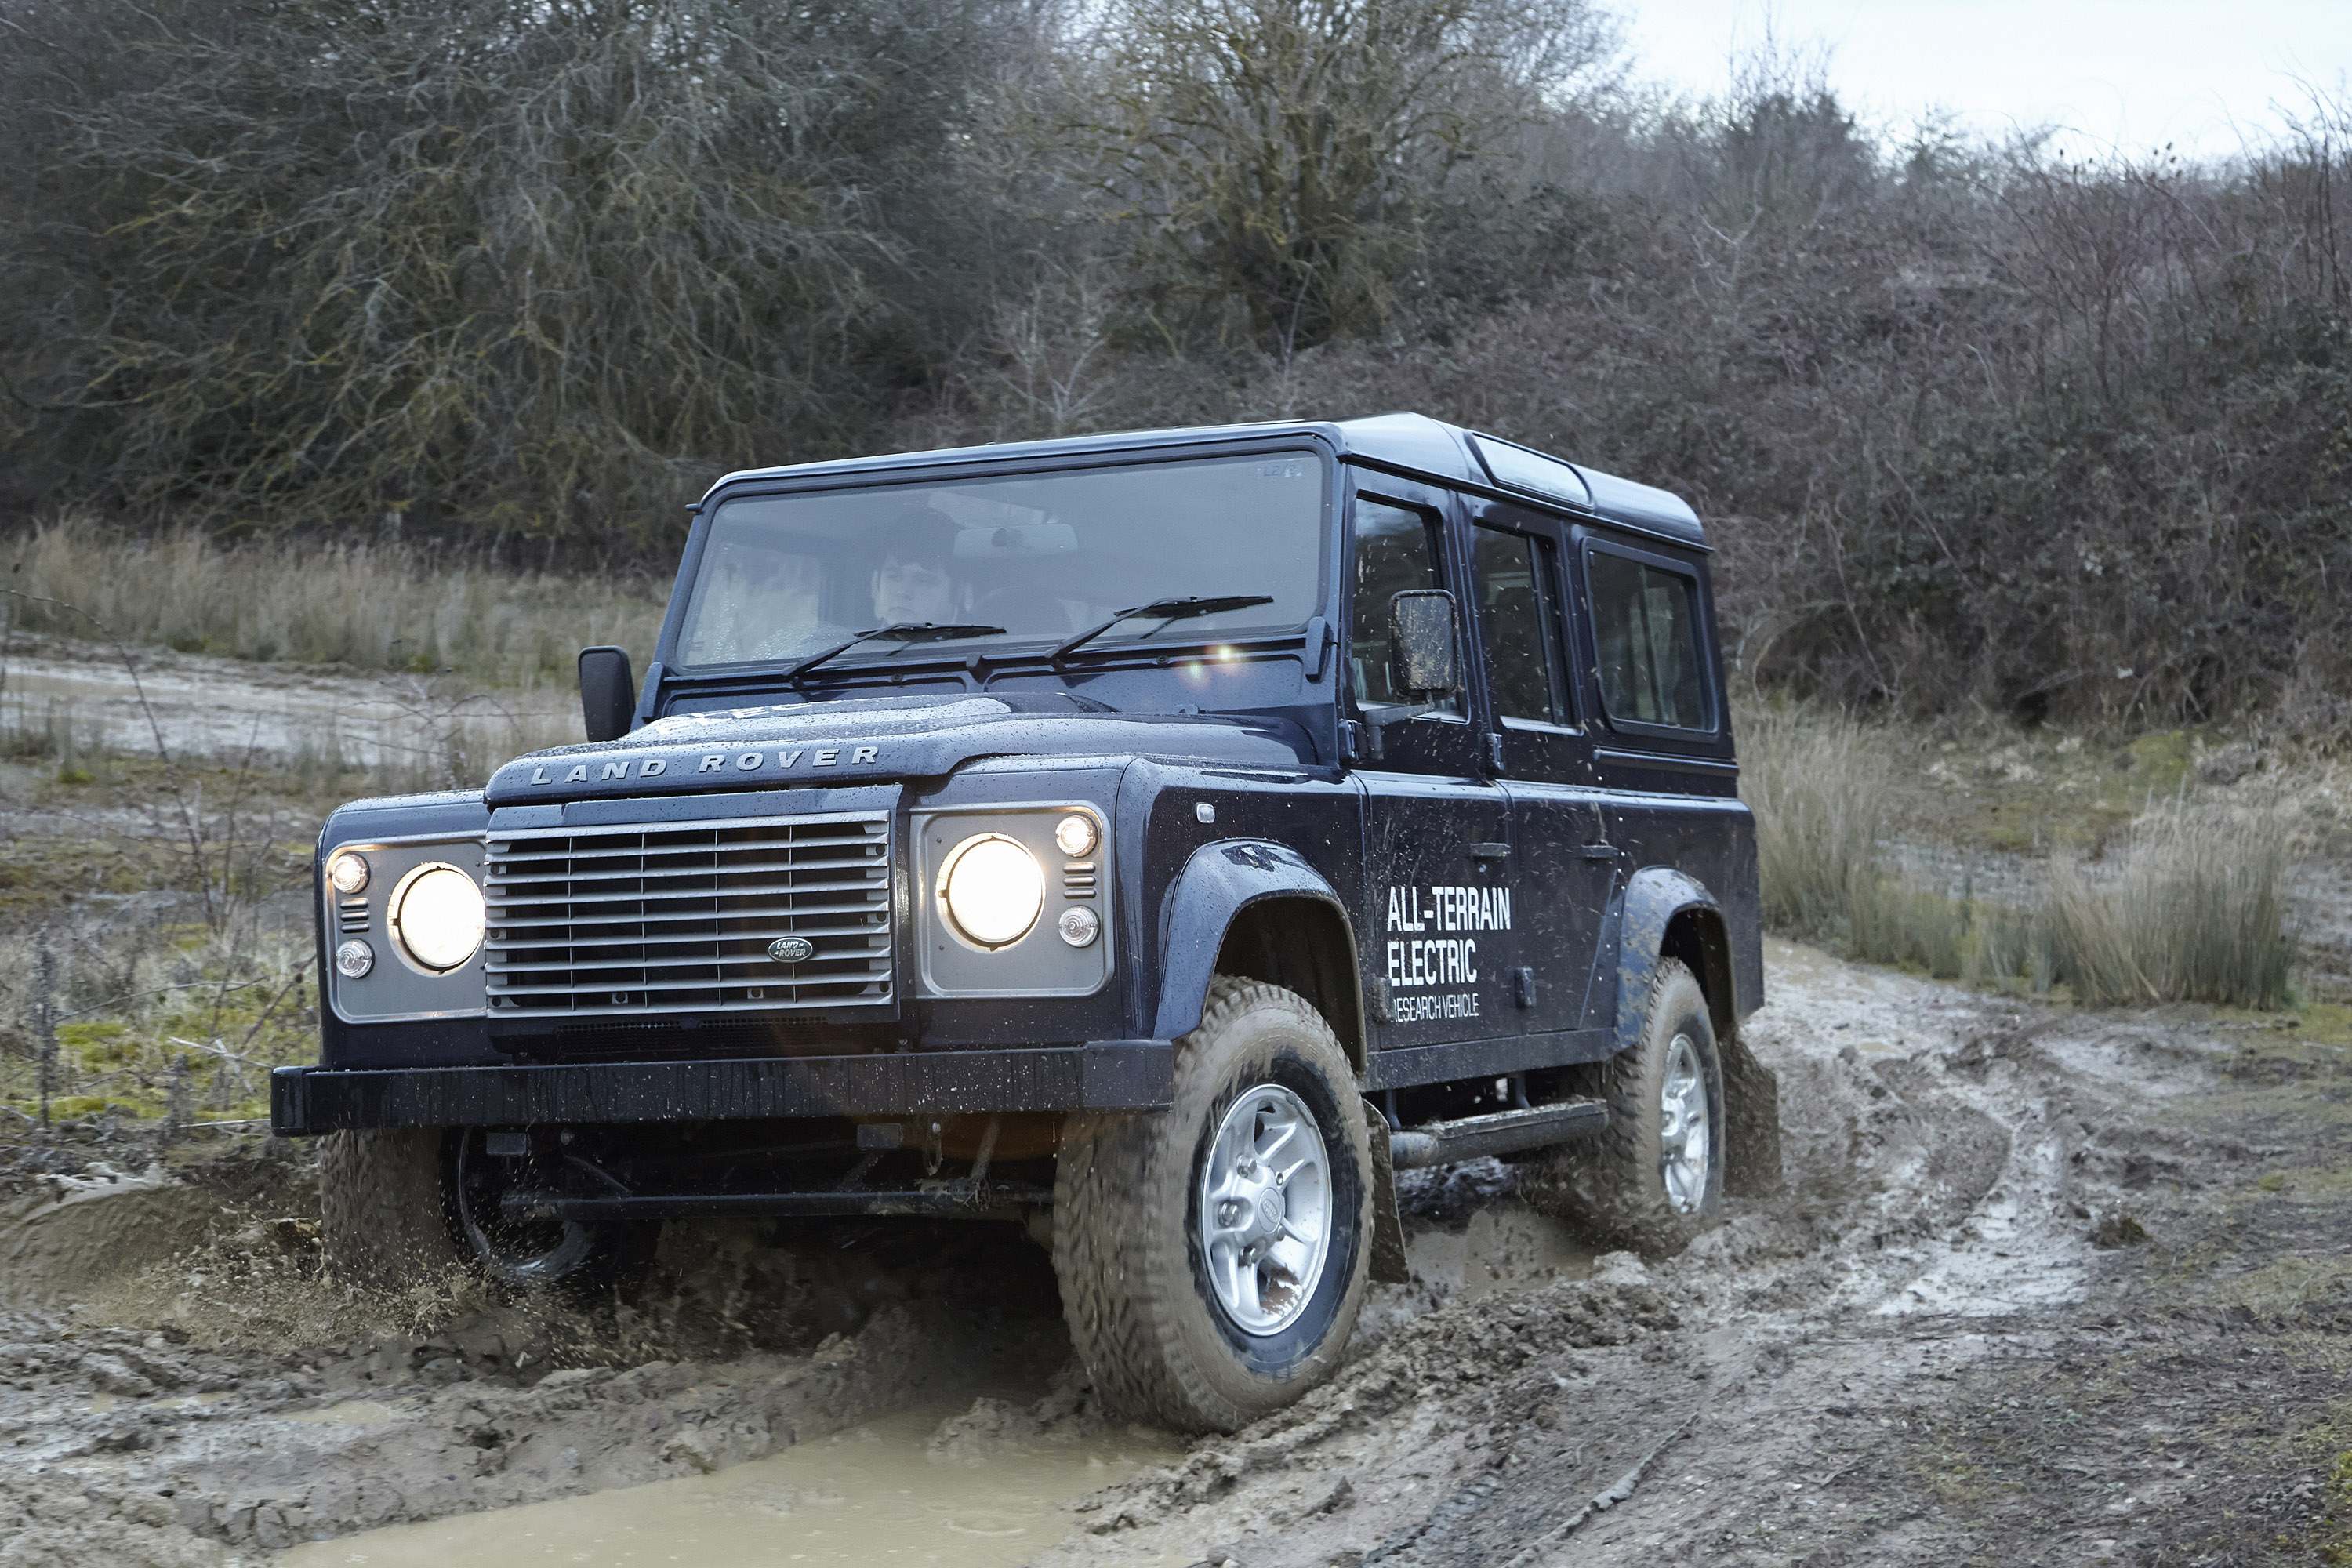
{"x":1157,"y":839}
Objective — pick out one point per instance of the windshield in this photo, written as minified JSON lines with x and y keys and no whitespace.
{"x":1043,"y":556}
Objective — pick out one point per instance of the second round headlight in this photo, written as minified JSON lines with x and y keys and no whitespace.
{"x":992,"y":890}
{"x":438,"y":917}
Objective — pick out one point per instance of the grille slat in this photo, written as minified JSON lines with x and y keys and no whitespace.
{"x":678,"y":918}
{"x":794,"y":876}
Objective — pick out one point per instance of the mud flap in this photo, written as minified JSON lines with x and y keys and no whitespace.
{"x":1751,"y":1107}
{"x":1389,"y":1266}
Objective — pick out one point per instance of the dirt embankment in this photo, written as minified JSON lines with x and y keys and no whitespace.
{"x":2040,"y":1289}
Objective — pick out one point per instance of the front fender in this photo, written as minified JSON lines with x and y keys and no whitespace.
{"x":1655,"y":896}
{"x":1217,"y":883}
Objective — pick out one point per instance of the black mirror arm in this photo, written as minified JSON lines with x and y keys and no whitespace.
{"x":1379,"y":718}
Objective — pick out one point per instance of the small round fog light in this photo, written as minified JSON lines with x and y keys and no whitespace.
{"x":354,"y":959}
{"x":1080,"y":926}
{"x":347,"y":873}
{"x":1074,"y":835}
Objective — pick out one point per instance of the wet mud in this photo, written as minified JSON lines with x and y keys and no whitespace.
{"x":2037,"y":1287}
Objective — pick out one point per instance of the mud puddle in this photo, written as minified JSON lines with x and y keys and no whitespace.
{"x":920,"y":1487}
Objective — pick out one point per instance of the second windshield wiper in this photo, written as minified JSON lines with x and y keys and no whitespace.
{"x":1167,"y":610}
{"x":925,"y":633}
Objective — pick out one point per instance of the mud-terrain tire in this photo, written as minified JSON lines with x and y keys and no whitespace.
{"x":1617,"y":1185}
{"x":1137,"y":1232}
{"x":380,"y":1211}
{"x":572,"y":1259}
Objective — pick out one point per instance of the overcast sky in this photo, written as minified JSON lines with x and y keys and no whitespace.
{"x":2131,"y":74}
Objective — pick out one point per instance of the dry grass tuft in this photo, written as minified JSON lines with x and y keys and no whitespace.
{"x":2196,"y":912}
{"x":2192,"y":907}
{"x":1819,"y":788}
{"x":369,"y":606}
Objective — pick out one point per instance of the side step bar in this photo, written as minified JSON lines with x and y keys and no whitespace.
{"x":1501,"y":1132}
{"x":948,"y":1203}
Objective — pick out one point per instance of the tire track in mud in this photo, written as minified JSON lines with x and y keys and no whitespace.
{"x":1948,"y":1158}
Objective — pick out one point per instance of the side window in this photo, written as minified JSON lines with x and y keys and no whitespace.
{"x":1519,"y":615}
{"x":1645,"y":631}
{"x":1395,"y":551}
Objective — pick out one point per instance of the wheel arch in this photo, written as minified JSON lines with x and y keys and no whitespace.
{"x":1258,"y":910}
{"x":1669,"y":914}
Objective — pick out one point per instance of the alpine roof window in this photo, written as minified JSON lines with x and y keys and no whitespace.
{"x":1518,"y":469}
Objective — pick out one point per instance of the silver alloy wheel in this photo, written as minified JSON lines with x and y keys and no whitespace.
{"x":1683,"y":1131}
{"x":1264,"y":1222}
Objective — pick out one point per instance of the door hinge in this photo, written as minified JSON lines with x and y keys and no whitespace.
{"x":1493,"y":753}
{"x":1523,"y":987}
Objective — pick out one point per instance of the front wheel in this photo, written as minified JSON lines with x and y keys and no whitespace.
{"x":1212,"y":1259}
{"x":523,"y":1253}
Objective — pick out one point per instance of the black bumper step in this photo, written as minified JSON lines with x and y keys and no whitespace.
{"x":1106,"y":1075}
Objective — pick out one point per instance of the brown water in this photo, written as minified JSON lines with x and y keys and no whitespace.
{"x":874,"y":1494}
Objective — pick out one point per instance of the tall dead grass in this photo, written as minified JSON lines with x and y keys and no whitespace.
{"x":2190,"y":906}
{"x":370,"y":606}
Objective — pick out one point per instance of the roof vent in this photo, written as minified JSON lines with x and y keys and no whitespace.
{"x":1515,"y":468}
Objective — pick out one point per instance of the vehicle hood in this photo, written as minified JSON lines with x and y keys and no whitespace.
{"x":881,"y":738}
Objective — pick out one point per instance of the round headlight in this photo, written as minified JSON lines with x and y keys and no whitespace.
{"x":348,"y":873}
{"x":437,"y":915}
{"x":992,"y":890}
{"x":1075,"y":835}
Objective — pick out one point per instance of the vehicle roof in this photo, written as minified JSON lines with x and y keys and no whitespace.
{"x":1410,"y":444}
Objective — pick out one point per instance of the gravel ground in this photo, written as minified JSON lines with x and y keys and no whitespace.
{"x":2040,"y":1289}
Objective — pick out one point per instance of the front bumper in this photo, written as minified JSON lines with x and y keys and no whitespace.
{"x":1105,"y":1075}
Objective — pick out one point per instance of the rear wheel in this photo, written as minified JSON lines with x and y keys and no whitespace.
{"x":1654,"y":1175}
{"x":1212,"y":1259}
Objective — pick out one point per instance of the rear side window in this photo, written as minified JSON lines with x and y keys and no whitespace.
{"x":1395,"y":551}
{"x":1645,"y":632}
{"x":1519,"y":620}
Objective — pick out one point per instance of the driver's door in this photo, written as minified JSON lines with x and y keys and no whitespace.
{"x":1440,"y":949}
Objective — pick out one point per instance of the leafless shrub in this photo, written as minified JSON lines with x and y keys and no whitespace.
{"x":538,"y":267}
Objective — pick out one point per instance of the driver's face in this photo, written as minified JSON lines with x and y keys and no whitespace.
{"x":909,"y":593}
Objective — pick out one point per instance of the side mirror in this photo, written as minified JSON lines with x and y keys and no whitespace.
{"x":608,"y":692}
{"x":1421,"y":641}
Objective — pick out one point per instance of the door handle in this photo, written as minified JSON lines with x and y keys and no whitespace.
{"x":1600,"y":851}
{"x":1489,"y":851}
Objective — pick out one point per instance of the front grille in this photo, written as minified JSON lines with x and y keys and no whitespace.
{"x":679,"y":919}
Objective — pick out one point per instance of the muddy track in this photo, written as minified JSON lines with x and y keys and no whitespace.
{"x":2036,"y":1290}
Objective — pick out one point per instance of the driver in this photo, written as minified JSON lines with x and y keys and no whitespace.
{"x":917,"y":582}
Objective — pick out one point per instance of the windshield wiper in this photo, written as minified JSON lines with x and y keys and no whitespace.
{"x":905,"y":634}
{"x":1168,"y":610}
